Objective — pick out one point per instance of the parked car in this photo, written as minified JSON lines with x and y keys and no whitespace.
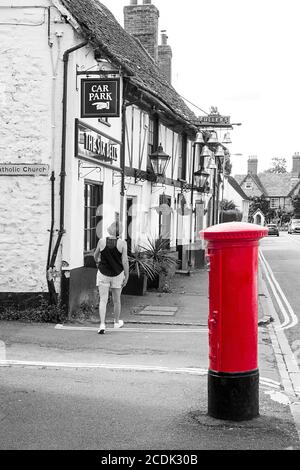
{"x":273,"y":229}
{"x":294,"y":226}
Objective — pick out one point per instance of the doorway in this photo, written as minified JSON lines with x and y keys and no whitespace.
{"x":165,"y":219}
{"x":129,"y":223}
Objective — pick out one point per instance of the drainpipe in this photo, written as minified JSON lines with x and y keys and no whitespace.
{"x":122,"y":156}
{"x":123,"y":140}
{"x":63,"y":160}
{"x":51,"y":288}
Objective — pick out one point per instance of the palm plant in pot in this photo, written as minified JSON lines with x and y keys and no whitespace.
{"x":162,"y":261}
{"x":141,"y":270}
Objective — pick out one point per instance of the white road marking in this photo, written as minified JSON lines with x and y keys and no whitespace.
{"x":271,"y":383}
{"x":279,"y":397}
{"x":290,"y":319}
{"x":130,"y":330}
{"x":128,"y":367}
{"x":271,"y":284}
{"x":265,"y":382}
{"x":286,"y":363}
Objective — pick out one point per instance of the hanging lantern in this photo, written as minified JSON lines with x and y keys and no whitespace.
{"x":201,"y":178}
{"x":159,"y":161}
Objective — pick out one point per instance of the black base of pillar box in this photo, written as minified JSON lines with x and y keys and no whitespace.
{"x":233,"y":397}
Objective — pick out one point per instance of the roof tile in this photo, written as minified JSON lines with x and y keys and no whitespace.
{"x":103,"y":30}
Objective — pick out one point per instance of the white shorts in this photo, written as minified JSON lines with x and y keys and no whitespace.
{"x":114,"y":282}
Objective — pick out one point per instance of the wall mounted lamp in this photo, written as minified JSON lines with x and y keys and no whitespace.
{"x":201,"y":180}
{"x":159,"y":161}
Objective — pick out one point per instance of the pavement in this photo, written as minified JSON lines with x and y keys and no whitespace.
{"x":184,"y":308}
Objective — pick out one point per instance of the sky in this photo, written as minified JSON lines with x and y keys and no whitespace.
{"x":242,"y":56}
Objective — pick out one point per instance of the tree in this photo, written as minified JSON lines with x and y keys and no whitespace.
{"x":258,"y":203}
{"x":229,"y":212}
{"x":278,"y":166}
{"x":228,"y":165}
{"x":226,"y":205}
{"x":264,"y":205}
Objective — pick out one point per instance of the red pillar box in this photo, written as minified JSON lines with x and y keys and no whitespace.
{"x":233,"y":376}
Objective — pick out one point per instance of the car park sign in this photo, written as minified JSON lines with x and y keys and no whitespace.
{"x":100,"y":98}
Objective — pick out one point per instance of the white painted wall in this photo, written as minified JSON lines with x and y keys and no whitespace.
{"x":31,"y":81}
{"x":73,"y":243}
{"x":25,"y":137}
{"x":232,"y":195}
{"x":146,"y":195}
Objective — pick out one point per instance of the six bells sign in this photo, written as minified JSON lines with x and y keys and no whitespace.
{"x":214,"y":118}
{"x":100,"y":98}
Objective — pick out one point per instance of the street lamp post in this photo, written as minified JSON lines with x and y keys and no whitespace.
{"x":215,"y":150}
{"x":229,"y":154}
{"x":199,"y":182}
{"x":209,"y":147}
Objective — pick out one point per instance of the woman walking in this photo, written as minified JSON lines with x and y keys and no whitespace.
{"x":113,"y":273}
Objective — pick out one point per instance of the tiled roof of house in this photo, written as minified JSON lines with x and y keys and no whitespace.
{"x":257,"y":180}
{"x":278,"y":184}
{"x":237,"y":187}
{"x":101,"y":28}
{"x":272,"y":184}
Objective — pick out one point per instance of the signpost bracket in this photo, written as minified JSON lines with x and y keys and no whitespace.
{"x":81,"y":166}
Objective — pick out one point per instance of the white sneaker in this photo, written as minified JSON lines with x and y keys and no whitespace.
{"x":119,"y":324}
{"x":101,"y":330}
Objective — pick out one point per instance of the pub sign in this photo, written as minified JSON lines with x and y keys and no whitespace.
{"x":90,"y":144}
{"x":214,"y":118}
{"x":100,"y":98}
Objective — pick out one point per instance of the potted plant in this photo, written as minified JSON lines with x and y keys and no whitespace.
{"x":141,"y":269}
{"x":162,"y":260}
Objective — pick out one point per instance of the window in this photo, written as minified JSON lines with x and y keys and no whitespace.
{"x":248,"y":185}
{"x":152,"y":137}
{"x":182,"y":158}
{"x":92,"y":215}
{"x":274,"y":203}
{"x":165,"y":219}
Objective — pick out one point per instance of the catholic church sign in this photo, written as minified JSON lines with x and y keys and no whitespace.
{"x":100,"y":98}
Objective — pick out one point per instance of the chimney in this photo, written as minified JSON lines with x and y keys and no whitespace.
{"x":252,"y":165}
{"x":141,"y":21}
{"x":296,"y":165}
{"x":165,"y":57}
